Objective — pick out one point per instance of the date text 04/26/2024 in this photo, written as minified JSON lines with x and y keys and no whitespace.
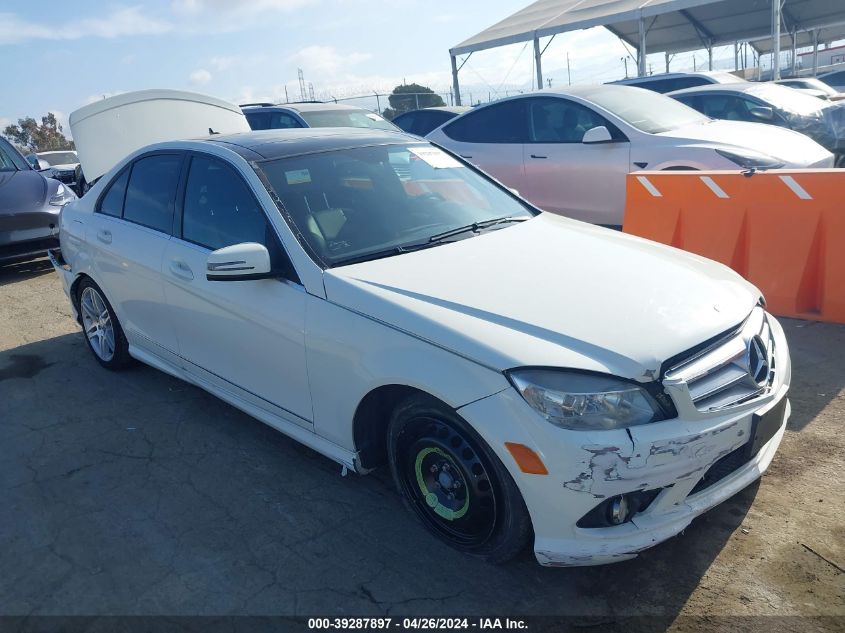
{"x":418,"y":623}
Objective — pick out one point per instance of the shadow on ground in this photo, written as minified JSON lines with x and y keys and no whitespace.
{"x":22,"y":271}
{"x":135,"y":493}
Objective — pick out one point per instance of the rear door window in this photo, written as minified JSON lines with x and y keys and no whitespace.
{"x":282,"y":121}
{"x":500,"y":123}
{"x":151,"y":193}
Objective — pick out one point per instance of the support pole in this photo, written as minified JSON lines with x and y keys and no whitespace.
{"x":776,"y":7}
{"x":538,"y":63}
{"x":794,"y":52}
{"x":710,"y":56}
{"x":667,"y":61}
{"x":815,"y":52}
{"x":641,"y":54}
{"x":456,"y":87}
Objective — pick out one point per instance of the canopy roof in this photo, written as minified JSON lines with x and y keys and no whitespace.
{"x":671,"y":25}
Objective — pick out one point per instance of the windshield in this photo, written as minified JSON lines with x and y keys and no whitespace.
{"x":59,"y":158}
{"x":10,"y":159}
{"x":789,"y":100}
{"x":645,"y":110}
{"x":346,"y":118}
{"x":371,"y":202}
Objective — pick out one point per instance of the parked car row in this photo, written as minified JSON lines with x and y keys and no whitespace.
{"x":569,"y":151}
{"x":385,"y":302}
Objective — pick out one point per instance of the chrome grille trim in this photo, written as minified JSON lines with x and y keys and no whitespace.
{"x":724,"y":374}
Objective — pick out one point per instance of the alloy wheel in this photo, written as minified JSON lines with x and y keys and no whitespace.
{"x":97,"y":323}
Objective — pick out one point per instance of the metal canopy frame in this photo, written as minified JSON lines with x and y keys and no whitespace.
{"x":668,"y":26}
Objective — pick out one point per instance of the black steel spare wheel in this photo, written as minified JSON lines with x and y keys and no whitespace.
{"x":454,"y":483}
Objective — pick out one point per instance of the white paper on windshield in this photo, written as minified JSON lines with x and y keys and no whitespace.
{"x":374,"y":117}
{"x":298,"y":176}
{"x":435,"y":157}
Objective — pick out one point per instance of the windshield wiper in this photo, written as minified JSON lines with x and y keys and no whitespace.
{"x":389,"y":252}
{"x":475,"y":227}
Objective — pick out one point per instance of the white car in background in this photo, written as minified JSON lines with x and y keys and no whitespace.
{"x":524,"y":376}
{"x":569,"y":151}
{"x":666,"y":82}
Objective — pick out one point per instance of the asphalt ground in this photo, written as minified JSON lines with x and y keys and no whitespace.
{"x":136,"y":494}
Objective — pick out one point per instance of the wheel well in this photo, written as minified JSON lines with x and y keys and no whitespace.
{"x":680,"y":168}
{"x":74,"y":292}
{"x":369,"y":426}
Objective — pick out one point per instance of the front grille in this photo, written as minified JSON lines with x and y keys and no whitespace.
{"x":722,"y":468}
{"x":731,"y":371}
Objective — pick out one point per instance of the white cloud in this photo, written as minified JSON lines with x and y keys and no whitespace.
{"x":326,"y":60}
{"x":251,"y":7}
{"x":200,"y":77}
{"x":121,"y":22}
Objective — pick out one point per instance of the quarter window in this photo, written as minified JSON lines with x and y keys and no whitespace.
{"x":112,"y":202}
{"x":219,"y":209}
{"x":499,"y":123}
{"x":151,"y":193}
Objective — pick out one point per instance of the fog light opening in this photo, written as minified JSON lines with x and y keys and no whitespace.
{"x":618,"y":510}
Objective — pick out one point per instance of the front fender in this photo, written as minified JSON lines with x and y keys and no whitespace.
{"x":349,"y":355}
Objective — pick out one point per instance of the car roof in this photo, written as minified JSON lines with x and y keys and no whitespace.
{"x":317,"y":106}
{"x":271,"y":144}
{"x":713,"y":74}
{"x":743,"y":86}
{"x":57,"y":151}
{"x":452,"y":109}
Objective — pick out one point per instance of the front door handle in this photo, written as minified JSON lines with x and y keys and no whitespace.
{"x":181,"y":269}
{"x":104,"y":235}
{"x":536,"y":156}
{"x":465,"y":156}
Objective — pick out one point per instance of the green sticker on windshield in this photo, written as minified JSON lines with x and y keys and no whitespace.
{"x":298,"y":176}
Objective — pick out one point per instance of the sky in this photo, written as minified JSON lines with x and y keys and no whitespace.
{"x":58,"y":56}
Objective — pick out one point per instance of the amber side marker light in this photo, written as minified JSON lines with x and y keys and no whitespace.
{"x":528,"y":461}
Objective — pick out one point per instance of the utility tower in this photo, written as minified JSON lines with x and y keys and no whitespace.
{"x":302,"y":95}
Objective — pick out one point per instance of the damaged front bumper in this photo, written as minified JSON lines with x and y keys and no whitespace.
{"x":689,"y":463}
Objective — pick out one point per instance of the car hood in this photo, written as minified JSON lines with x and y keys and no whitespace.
{"x":793,"y":148}
{"x":21,"y":191}
{"x":551,"y":292}
{"x":64,"y":166}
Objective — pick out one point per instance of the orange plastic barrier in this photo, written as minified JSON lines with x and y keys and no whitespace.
{"x":782,"y":230}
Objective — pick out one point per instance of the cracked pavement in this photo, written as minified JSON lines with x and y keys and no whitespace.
{"x":134,"y":493}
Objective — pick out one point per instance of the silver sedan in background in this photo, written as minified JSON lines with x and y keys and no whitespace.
{"x":569,"y":151}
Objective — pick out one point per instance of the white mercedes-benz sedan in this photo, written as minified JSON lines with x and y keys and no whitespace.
{"x":525,"y":376}
{"x":569,"y":151}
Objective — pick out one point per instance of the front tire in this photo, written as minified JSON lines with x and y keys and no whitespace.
{"x":102,"y":330}
{"x":454,"y":483}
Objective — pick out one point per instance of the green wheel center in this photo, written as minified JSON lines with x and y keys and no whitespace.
{"x":432,"y":499}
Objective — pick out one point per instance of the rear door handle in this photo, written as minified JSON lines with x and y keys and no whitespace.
{"x":104,"y":235}
{"x":181,"y":269}
{"x":536,"y":156}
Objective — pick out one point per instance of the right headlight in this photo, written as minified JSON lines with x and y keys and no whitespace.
{"x":583,"y":401}
{"x":749,"y":159}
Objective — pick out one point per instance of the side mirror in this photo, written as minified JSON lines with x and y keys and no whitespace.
{"x":42,"y":165}
{"x":514,"y":191}
{"x":763,"y":113}
{"x":598,"y":134}
{"x":239,"y":262}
